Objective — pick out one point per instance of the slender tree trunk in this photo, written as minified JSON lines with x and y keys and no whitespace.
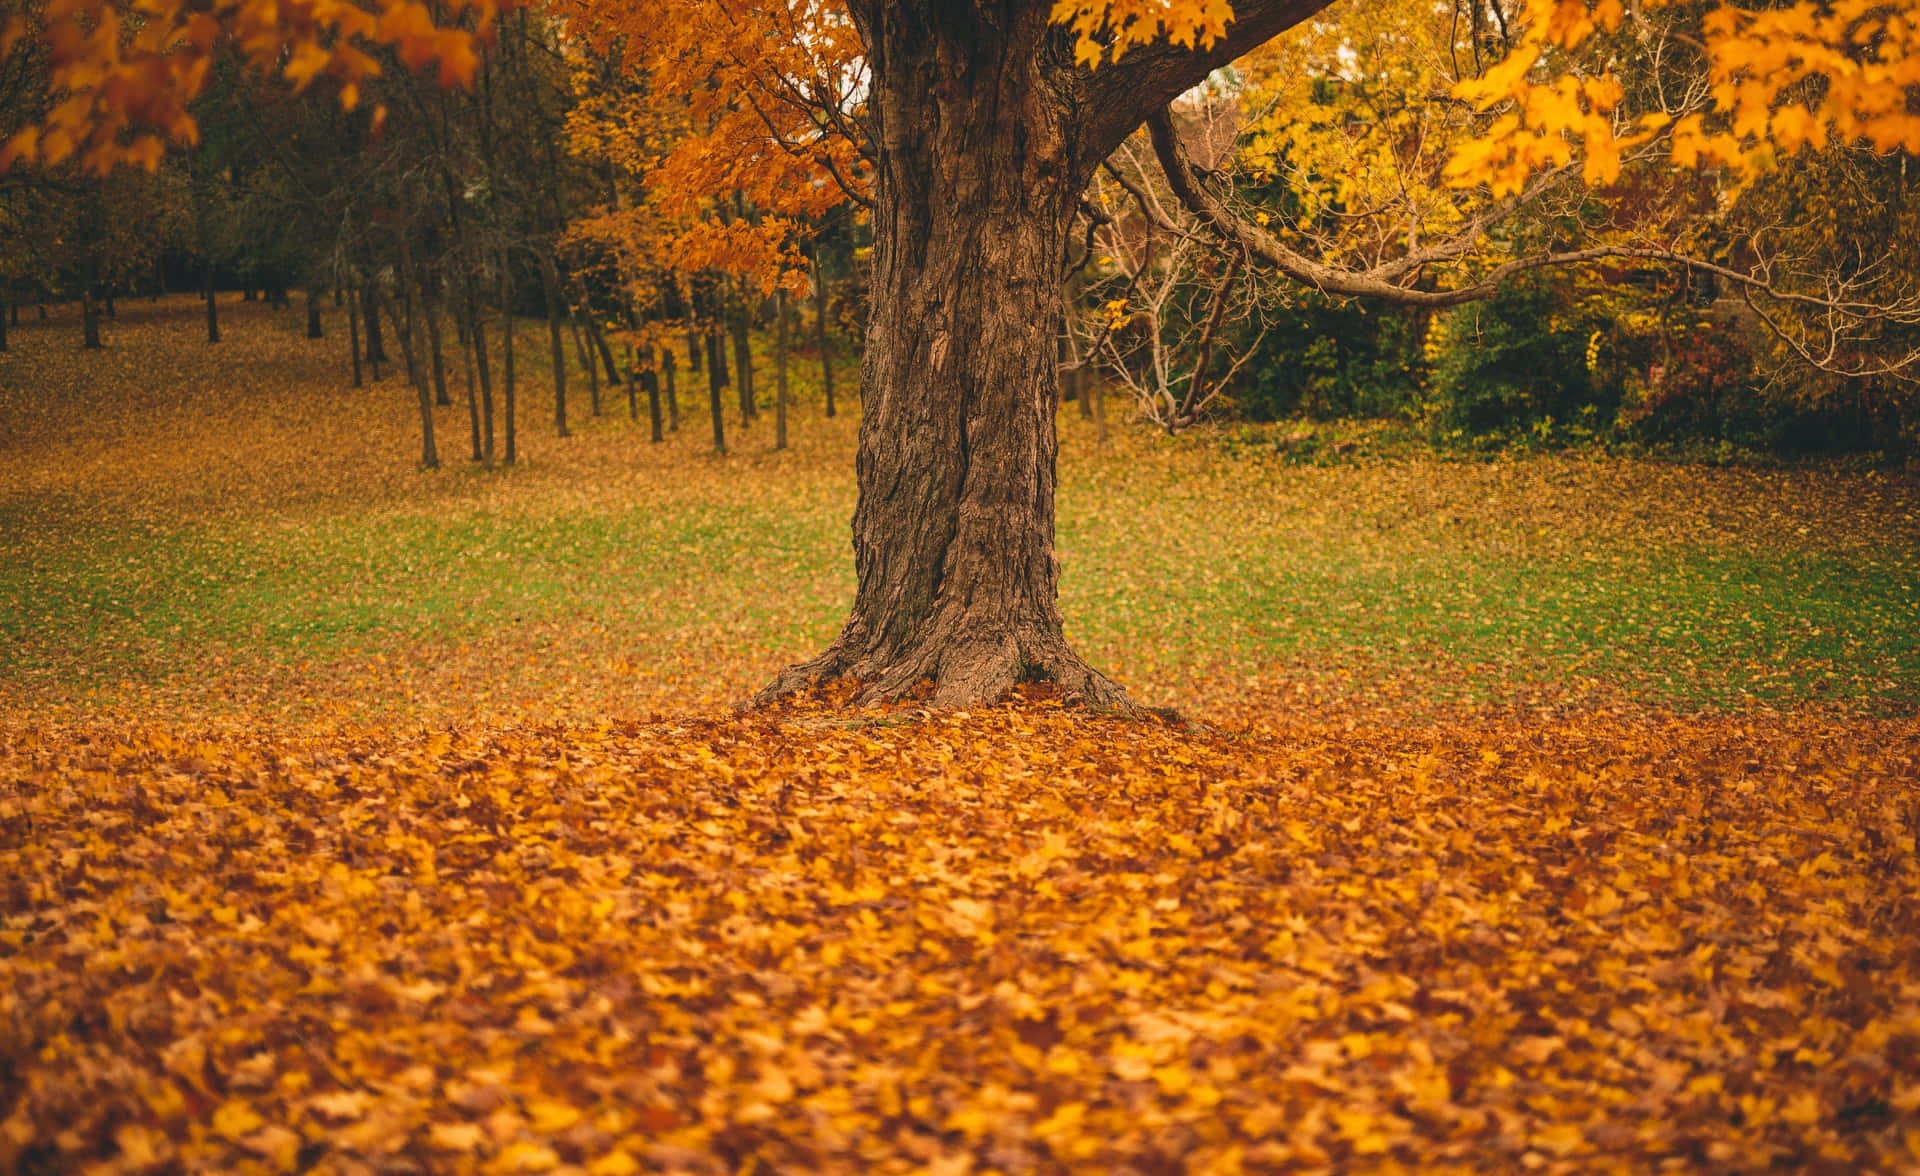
{"x":650,"y":380}
{"x":8,"y":310}
{"x":213,"y":310}
{"x":976,"y":183}
{"x":89,"y":321}
{"x":673,"y":396}
{"x":716,"y":381}
{"x":633,"y":392}
{"x":717,"y":350}
{"x":554,"y":311}
{"x":436,"y":351}
{"x":743,"y":364}
{"x":780,"y":370}
{"x":820,"y":302}
{"x":693,"y":348}
{"x":376,"y":348}
{"x":403,"y":329}
{"x":477,"y":330}
{"x":429,"y":452}
{"x":606,"y":353}
{"x":586,"y":364}
{"x":314,"y":328}
{"x":90,"y":301}
{"x":511,"y":453}
{"x":353,"y":332}
{"x":464,"y":331}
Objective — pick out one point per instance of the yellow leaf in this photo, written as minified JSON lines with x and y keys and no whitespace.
{"x":525,"y":1157}
{"x":236,"y":1120}
{"x":614,"y":1163}
{"x":456,"y":1136}
{"x":551,"y":1117}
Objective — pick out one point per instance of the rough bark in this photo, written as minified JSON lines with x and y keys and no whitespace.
{"x":953,"y":535}
{"x":985,"y":133}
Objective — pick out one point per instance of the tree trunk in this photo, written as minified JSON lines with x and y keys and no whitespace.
{"x":693,"y":348}
{"x":353,"y":331}
{"x":633,"y":393}
{"x":314,"y":328}
{"x":586,"y":364}
{"x":743,"y":364}
{"x":651,"y":381}
{"x":463,"y":331}
{"x":953,"y":536}
{"x":717,"y":350}
{"x":403,"y":330}
{"x":673,"y":396}
{"x":477,"y":331}
{"x":716,"y":380}
{"x":430,"y":300}
{"x":780,"y":370}
{"x":606,"y":353}
{"x":6,"y":308}
{"x":511,"y":452}
{"x":551,"y":278}
{"x":376,"y":349}
{"x":213,"y":311}
{"x":820,"y":331}
{"x":89,"y":302}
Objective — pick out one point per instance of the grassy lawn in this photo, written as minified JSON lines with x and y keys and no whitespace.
{"x":232,"y":531}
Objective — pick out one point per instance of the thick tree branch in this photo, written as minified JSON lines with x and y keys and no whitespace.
{"x":1119,"y":96}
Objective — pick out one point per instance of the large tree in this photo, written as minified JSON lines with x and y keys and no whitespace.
{"x":985,"y":129}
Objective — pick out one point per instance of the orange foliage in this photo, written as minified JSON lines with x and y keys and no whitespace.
{"x":1778,"y":80}
{"x":1018,"y":938}
{"x":124,"y":73}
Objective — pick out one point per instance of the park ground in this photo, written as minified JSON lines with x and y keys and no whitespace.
{"x":1550,"y":812}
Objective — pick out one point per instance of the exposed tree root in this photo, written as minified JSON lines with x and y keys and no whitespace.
{"x":965,"y":670}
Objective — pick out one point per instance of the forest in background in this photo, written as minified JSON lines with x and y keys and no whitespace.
{"x":432,"y":213}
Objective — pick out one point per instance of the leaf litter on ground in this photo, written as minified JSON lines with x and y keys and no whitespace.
{"x":321,"y":848}
{"x":1013,"y":939}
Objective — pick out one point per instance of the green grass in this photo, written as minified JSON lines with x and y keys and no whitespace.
{"x":612,"y":575}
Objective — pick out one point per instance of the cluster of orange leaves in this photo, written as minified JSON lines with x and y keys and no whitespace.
{"x":729,"y":104}
{"x":1012,"y":940}
{"x":124,"y":72}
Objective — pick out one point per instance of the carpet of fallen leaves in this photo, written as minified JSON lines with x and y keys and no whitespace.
{"x":1018,"y":940}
